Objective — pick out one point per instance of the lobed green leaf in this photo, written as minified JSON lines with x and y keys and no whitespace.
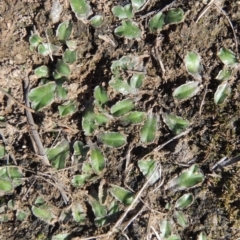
{"x":41,"y":71}
{"x":134,"y":117}
{"x":100,"y":95}
{"x":2,"y":151}
{"x":98,"y":160}
{"x":156,"y":22}
{"x":175,"y":123}
{"x":78,"y":213}
{"x":46,"y":49}
{"x":97,"y":21}
{"x":112,"y":139}
{"x":165,"y":228}
{"x":174,"y":16}
{"x":42,"y":96}
{"x":58,"y":154}
{"x":43,"y":213}
{"x":123,"y":12}
{"x":64,"y":30}
{"x":186,"y":91}
{"x":98,"y":209}
{"x":81,"y":9}
{"x":21,"y":215}
{"x":128,"y":29}
{"x":122,"y":107}
{"x":5,"y":185}
{"x":120,"y":85}
{"x":14,"y":172}
{"x":148,"y":168}
{"x":67,"y":109}
{"x":79,"y":180}
{"x":61,"y":92}
{"x":35,"y":40}
{"x":69,"y":56}
{"x":184,"y":201}
{"x":136,"y":80}
{"x":193,"y":64}
{"x":149,"y":129}
{"x":223,"y":91}
{"x":137,"y":4}
{"x":62,"y":68}
{"x":121,"y":194}
{"x":227,"y":57}
{"x":182,"y":220}
{"x":187,"y":179}
{"x":202,"y":236}
{"x":88,"y":122}
{"x":224,"y":75}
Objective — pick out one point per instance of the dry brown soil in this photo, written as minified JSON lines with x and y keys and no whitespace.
{"x":215,"y":129}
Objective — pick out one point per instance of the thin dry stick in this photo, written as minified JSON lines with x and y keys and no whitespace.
{"x":164,"y":9}
{"x":55,"y":140}
{"x":156,"y":233}
{"x":148,"y":226}
{"x":90,"y":238}
{"x":65,"y":126}
{"x":134,"y":217}
{"x":107,"y":39}
{"x":29,"y":189}
{"x":144,"y":6}
{"x":203,"y":100}
{"x":128,"y":158}
{"x":43,"y":176}
{"x":132,"y":204}
{"x":160,"y":61}
{"x":49,"y":49}
{"x":135,"y":71}
{"x":145,"y":204}
{"x":230,"y":23}
{"x":16,"y":101}
{"x":57,"y":184}
{"x":161,"y":183}
{"x":168,"y":6}
{"x":148,"y":14}
{"x":35,"y":135}
{"x":125,"y":236}
{"x":172,"y":139}
{"x":204,"y":10}
{"x":64,"y":195}
{"x":138,"y":195}
{"x":146,"y":184}
{"x":224,"y":13}
{"x":63,"y":169}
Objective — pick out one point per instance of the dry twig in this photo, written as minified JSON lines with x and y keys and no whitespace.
{"x":64,"y":195}
{"x":216,"y":4}
{"x":36,"y":140}
{"x":172,"y":139}
{"x":134,"y":217}
{"x":204,"y":10}
{"x":230,"y":23}
{"x":137,"y":197}
{"x":16,"y":101}
{"x":49,"y":48}
{"x":203,"y":100}
{"x":156,"y":233}
{"x":160,"y":61}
